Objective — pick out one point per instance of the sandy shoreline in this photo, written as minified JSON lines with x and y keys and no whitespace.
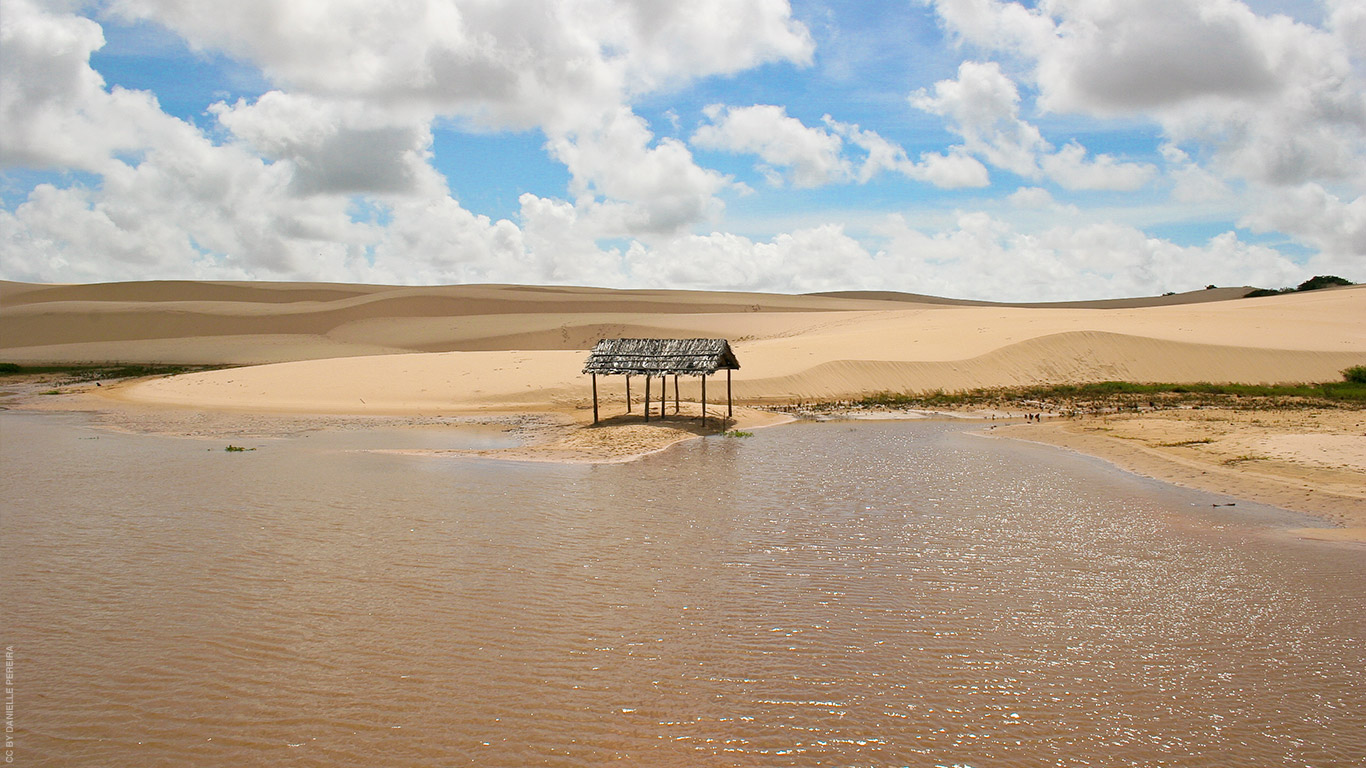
{"x":1311,"y":461}
{"x":317,"y":356}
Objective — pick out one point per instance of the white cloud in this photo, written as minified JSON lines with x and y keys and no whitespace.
{"x":811,"y":156}
{"x":1191,"y":183}
{"x":806,"y":260}
{"x":1279,"y":102}
{"x":1070,"y":167}
{"x":54,"y":109}
{"x":329,"y":176}
{"x":649,"y":188}
{"x":985,"y":258}
{"x":337,"y":147}
{"x":1316,"y":216}
{"x":515,"y":63}
{"x":982,"y":105}
{"x":950,"y":170}
{"x":1038,"y":199}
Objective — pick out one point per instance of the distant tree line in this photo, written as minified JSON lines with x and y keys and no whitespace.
{"x":1313,"y":283}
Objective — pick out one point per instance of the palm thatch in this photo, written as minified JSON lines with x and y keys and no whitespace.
{"x":660,"y":357}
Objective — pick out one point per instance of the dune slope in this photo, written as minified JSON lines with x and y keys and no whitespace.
{"x":403,"y":349}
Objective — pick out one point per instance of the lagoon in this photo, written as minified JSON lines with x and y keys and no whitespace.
{"x":893,"y":593}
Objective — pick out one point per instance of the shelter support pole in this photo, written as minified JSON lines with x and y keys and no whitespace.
{"x":730,"y":405}
{"x":663,"y":395}
{"x":628,"y":393}
{"x":704,"y":400}
{"x":676,"y":394}
{"x":595,"y":398}
{"x":647,"y":397}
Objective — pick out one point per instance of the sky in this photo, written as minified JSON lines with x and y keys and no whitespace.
{"x":1011,"y":151}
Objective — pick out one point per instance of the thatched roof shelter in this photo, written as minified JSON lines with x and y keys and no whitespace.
{"x":661,"y":357}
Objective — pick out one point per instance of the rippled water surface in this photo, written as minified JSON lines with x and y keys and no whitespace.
{"x":879,"y":594}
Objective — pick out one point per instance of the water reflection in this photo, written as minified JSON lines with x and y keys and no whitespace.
{"x":871,"y":594}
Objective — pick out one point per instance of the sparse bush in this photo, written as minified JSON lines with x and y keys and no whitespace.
{"x":1356,"y":374}
{"x":737,"y":433}
{"x":1321,"y":281}
{"x":10,"y":368}
{"x":1312,"y":284}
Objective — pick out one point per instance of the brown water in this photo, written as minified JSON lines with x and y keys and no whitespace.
{"x":887,"y":594}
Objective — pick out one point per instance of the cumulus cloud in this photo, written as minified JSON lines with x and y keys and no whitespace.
{"x":809,"y":156}
{"x":1038,"y":199}
{"x":1192,"y":183}
{"x":1316,"y":216}
{"x":986,"y":258}
{"x":54,"y":109}
{"x":1071,"y":168}
{"x":648,"y":187}
{"x":329,"y":175}
{"x":515,"y":63}
{"x":982,"y":105}
{"x":336,"y":147}
{"x":1280,"y":102}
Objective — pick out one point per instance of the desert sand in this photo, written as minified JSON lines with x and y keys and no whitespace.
{"x":493,"y":350}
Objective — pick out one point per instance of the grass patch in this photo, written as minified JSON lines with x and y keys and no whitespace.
{"x":1111,"y":396}
{"x":237,"y":449}
{"x":1185,"y":443}
{"x":101,"y":372}
{"x":1244,"y":457}
{"x":737,"y":433}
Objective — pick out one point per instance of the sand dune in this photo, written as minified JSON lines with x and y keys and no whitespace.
{"x":356,"y":348}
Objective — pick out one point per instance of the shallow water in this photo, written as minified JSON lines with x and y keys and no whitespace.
{"x":878,"y":594}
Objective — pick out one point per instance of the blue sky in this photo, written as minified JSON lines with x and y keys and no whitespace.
{"x":971,"y":148}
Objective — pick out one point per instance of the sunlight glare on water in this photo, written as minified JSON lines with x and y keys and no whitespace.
{"x":856,"y":594}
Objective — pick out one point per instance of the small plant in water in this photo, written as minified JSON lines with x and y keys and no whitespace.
{"x":237,"y":449}
{"x":737,"y":433}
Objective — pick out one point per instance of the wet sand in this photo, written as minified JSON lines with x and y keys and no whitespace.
{"x":1307,"y":460}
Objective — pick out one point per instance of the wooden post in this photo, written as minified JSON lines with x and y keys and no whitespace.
{"x":704,"y":401}
{"x":663,"y":395}
{"x":595,"y":398}
{"x":730,"y":406}
{"x":647,"y":398}
{"x":676,"y":394}
{"x":628,"y":393}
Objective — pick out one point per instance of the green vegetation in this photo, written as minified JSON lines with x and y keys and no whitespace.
{"x":237,"y":449}
{"x":1312,"y":284}
{"x":737,"y":433}
{"x":1186,"y":443}
{"x":93,"y":372}
{"x":1123,"y":395}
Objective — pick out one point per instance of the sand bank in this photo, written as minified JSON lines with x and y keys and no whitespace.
{"x":1311,"y":461}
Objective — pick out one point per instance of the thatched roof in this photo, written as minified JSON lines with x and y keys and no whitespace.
{"x":658,"y":357}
